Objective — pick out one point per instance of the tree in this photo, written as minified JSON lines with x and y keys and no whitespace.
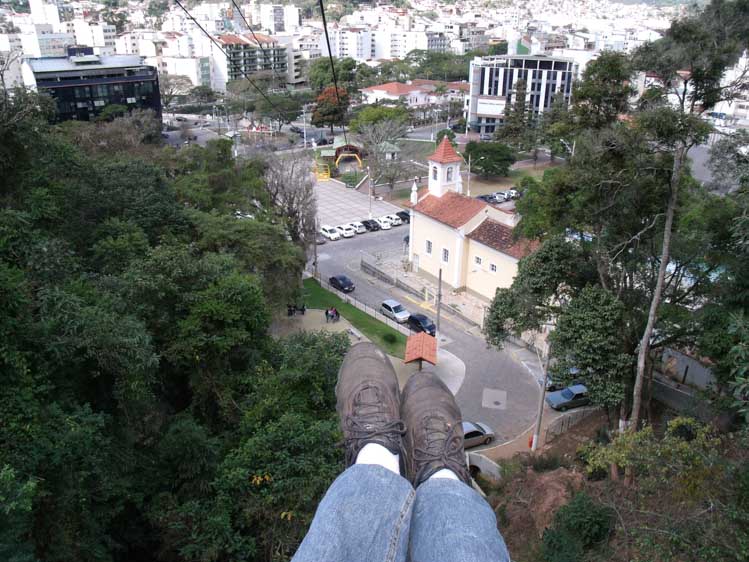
{"x":173,"y":85}
{"x":499,"y":48}
{"x":331,"y":108}
{"x":374,"y":136}
{"x":291,"y":189}
{"x":204,"y":94}
{"x":449,"y":133}
{"x":604,"y":91}
{"x":281,"y":108}
{"x":320,"y":74}
{"x":514,"y":128}
{"x":707,"y":44}
{"x":490,"y":158}
{"x":373,"y":114}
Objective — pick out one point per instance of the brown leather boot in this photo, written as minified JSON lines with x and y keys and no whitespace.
{"x":434,"y":434}
{"x":368,"y":401}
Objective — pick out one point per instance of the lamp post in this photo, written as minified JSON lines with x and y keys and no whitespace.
{"x":468,"y":181}
{"x":369,"y":183}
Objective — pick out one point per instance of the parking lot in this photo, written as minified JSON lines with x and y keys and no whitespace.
{"x":337,"y":205}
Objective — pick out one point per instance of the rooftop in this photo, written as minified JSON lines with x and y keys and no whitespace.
{"x":394,"y":88}
{"x":421,"y":346}
{"x":499,"y":237}
{"x":445,"y":153}
{"x":86,"y":62}
{"x":452,"y":209}
{"x":245,"y":39}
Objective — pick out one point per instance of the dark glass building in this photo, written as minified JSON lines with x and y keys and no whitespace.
{"x":83,"y":84}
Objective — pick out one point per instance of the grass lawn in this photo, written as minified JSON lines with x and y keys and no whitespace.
{"x":392,"y":341}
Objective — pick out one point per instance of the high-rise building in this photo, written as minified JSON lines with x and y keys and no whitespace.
{"x":493,"y":83}
{"x":247,"y":54}
{"x":83,"y":84}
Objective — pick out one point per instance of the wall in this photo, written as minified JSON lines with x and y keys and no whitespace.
{"x":686,"y":370}
{"x":441,"y":236}
{"x":480,"y":278}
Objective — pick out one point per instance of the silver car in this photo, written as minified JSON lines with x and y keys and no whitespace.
{"x":476,"y":433}
{"x":395,"y":311}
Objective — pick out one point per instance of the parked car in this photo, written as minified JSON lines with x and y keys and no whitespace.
{"x":384,"y":223}
{"x":342,"y":283}
{"x":358,"y":227}
{"x":330,"y":232}
{"x":514,"y":194}
{"x":476,"y":433}
{"x":420,"y":323}
{"x":501,"y":196}
{"x":395,"y":311}
{"x":404,"y":216}
{"x":457,"y":128}
{"x":371,"y":225}
{"x":395,"y":220}
{"x":487,"y":198}
{"x":295,"y":129}
{"x":320,"y":240}
{"x":346,"y":230}
{"x":570,"y":397}
{"x":321,"y":141}
{"x":486,"y":137}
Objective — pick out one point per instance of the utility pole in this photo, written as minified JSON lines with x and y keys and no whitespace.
{"x":537,"y":432}
{"x":304,"y":123}
{"x":369,"y":183}
{"x":439,"y":302}
{"x":468,"y":189}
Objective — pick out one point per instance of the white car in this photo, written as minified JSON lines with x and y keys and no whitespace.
{"x":358,"y":227}
{"x":330,"y":232}
{"x":395,"y":220}
{"x":514,"y":193}
{"x":384,"y":223}
{"x":346,"y":230}
{"x":395,"y":311}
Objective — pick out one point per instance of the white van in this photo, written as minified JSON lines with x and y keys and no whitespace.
{"x":384,"y":223}
{"x":358,"y":227}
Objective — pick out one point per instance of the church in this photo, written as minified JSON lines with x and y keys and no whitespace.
{"x":469,"y":240}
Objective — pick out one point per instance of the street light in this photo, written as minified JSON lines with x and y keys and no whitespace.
{"x":468,"y":187}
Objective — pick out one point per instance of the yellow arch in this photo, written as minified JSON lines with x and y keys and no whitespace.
{"x":348,"y":154}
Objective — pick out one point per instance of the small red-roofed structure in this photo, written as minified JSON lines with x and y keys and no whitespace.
{"x":445,"y":153}
{"x":421,"y":347}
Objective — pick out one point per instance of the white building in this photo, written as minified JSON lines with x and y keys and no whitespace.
{"x":277,"y":18}
{"x":44,"y":13}
{"x":100,"y":36}
{"x":46,"y":43}
{"x":493,"y":79}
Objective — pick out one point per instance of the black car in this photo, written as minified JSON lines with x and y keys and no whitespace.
{"x":420,"y":323}
{"x":404,"y":216}
{"x":321,"y":141}
{"x":486,"y":198}
{"x":371,"y":225}
{"x":295,"y":129}
{"x":342,"y":283}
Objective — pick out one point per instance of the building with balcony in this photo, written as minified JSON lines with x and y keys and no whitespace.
{"x":83,"y":84}
{"x":493,"y":86}
{"x":248,"y":54}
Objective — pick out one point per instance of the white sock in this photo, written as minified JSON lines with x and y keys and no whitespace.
{"x":444,"y":473}
{"x":373,"y":453}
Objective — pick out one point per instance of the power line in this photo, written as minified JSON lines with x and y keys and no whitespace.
{"x":265,"y":55}
{"x":228,"y":58}
{"x":332,"y":64}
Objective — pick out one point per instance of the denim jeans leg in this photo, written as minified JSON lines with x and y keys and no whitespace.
{"x":364,"y":517}
{"x":452,"y":522}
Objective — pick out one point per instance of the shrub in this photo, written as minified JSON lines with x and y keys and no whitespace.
{"x":545,"y":463}
{"x":560,"y":546}
{"x":389,"y":338}
{"x":585,"y":519}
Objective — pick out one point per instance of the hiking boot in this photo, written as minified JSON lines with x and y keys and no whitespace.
{"x":434,"y":433}
{"x":368,"y":401}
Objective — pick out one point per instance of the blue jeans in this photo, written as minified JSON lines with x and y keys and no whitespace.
{"x":371,"y":514}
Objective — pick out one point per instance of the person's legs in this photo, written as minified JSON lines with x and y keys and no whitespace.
{"x":365,"y":515}
{"x":450,"y":520}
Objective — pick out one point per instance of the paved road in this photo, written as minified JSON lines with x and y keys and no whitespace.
{"x":338,"y":205}
{"x":498,"y":389}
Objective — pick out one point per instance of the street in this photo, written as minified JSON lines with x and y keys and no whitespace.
{"x":498,"y":389}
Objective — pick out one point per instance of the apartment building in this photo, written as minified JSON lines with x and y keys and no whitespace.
{"x":492,"y":86}
{"x":247,"y":55}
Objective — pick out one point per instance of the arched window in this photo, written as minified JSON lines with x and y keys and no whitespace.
{"x":434,"y":172}
{"x":449,"y":173}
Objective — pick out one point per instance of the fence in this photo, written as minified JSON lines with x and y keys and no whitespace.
{"x":370,"y":310}
{"x":564,"y":423}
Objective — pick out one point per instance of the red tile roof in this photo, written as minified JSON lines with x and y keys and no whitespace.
{"x":463,"y":86}
{"x":393,"y":88}
{"x":451,"y":209}
{"x":245,"y":39}
{"x":421,"y":346}
{"x":499,"y":237}
{"x":445,"y":153}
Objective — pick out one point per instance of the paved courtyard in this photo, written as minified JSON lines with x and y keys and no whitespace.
{"x":337,"y":204}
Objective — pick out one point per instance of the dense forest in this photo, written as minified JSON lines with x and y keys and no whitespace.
{"x":147,"y":414}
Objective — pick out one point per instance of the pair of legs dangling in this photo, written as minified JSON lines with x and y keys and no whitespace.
{"x":405,"y":494}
